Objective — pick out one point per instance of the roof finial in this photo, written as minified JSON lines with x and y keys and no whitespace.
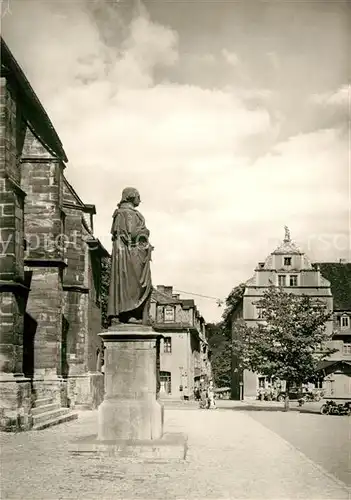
{"x":287,"y":234}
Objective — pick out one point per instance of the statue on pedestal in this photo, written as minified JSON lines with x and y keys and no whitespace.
{"x":130,"y":284}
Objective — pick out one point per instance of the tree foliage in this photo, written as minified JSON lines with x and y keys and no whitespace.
{"x":104,"y":289}
{"x":232,"y":301}
{"x":219,"y":338}
{"x":290,"y":341}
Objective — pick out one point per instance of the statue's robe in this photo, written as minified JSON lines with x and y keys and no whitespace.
{"x":130,"y":285}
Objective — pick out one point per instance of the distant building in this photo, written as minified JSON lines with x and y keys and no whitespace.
{"x":290,"y":268}
{"x":184,"y":355}
{"x":337,"y":369}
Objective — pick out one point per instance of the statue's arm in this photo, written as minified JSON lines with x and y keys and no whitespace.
{"x":139,"y":227}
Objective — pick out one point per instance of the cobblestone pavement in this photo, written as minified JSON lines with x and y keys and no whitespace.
{"x":230,"y":456}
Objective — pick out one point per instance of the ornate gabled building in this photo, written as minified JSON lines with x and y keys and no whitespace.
{"x":287,"y":266}
{"x":49,"y":268}
{"x":184,"y":356}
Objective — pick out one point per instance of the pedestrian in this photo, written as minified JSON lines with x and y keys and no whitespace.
{"x":211,"y":397}
{"x":203,"y":398}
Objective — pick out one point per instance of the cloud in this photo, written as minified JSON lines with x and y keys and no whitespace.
{"x":230,"y":57}
{"x":340,"y":97}
{"x":217,"y":183}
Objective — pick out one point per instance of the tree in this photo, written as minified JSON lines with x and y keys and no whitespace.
{"x":220,"y":348}
{"x":104,"y":289}
{"x":232,"y":301}
{"x":289,"y":343}
{"x":219,"y":337}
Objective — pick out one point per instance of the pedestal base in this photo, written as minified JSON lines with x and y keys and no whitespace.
{"x":172,"y":446}
{"x":130,"y":409}
{"x":130,"y":419}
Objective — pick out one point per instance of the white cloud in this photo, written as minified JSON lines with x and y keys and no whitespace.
{"x":212,"y":211}
{"x":230,"y":57}
{"x":340,"y":97}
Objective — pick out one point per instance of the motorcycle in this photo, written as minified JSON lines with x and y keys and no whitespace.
{"x":333,"y":408}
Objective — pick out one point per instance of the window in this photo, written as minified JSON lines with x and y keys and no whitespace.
{"x":261,"y":382}
{"x":165,"y":382}
{"x":344,"y":321}
{"x":319,"y":384}
{"x":259,"y":313}
{"x":167,"y":344}
{"x":287,"y":261}
{"x":347,"y":349}
{"x":281,"y":279}
{"x":169,"y":314}
{"x":293,"y":280}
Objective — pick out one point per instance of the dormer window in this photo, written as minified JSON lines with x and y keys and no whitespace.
{"x":345,"y":322}
{"x":287,"y":261}
{"x":169,"y":314}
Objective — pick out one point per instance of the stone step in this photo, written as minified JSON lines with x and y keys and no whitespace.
{"x":45,"y":408}
{"x":42,"y":402}
{"x":49,"y":415}
{"x":55,"y":421}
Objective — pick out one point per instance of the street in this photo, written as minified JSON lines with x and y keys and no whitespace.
{"x":232,"y":454}
{"x":323,"y":439}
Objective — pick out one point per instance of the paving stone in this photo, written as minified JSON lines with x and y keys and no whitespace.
{"x":230,"y":456}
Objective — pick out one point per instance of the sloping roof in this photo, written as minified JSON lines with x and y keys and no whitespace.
{"x":287,"y":247}
{"x":339,"y":276}
{"x":32,"y":108}
{"x":187,"y":303}
{"x":163,"y":298}
{"x":332,"y":365}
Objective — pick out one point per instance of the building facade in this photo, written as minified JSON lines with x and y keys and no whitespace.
{"x":184,"y":354}
{"x":50,"y":265}
{"x":289,"y":268}
{"x":336,"y":370}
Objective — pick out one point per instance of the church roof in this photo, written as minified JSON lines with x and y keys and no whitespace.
{"x":32,"y":108}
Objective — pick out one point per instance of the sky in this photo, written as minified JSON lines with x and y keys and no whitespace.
{"x":232,"y":119}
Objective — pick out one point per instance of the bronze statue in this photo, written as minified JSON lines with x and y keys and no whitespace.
{"x":130,"y":285}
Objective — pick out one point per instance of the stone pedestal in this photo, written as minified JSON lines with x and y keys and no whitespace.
{"x":130,"y":409}
{"x":130,"y":419}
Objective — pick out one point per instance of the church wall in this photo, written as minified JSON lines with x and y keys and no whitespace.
{"x":14,"y":390}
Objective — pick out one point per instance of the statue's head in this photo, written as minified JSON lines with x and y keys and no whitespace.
{"x":130,"y":195}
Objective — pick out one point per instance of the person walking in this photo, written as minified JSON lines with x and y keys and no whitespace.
{"x":211,"y":397}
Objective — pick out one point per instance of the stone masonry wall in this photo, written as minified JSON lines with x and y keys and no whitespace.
{"x":44,"y":219}
{"x":15,"y":398}
{"x":11,"y":197}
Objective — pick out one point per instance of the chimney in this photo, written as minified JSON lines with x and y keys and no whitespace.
{"x":168,"y":290}
{"x":160,"y":288}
